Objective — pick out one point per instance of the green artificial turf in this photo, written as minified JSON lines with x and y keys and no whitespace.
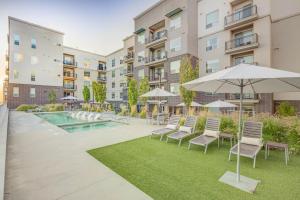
{"x":165,"y":171}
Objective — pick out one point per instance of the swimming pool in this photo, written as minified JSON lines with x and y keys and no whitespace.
{"x":59,"y":118}
{"x":89,"y":127}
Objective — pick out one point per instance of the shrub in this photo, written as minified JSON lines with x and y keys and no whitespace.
{"x":26,"y":107}
{"x":143,"y":113}
{"x":182,"y":120}
{"x":124,"y":111}
{"x":133,"y":111}
{"x":286,"y":109}
{"x":154,"y":111}
{"x":200,"y":126}
{"x":228,"y":125}
{"x":274,"y":129}
{"x":99,"y":109}
{"x":53,"y":107}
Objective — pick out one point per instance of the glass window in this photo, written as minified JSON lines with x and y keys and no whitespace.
{"x":34,"y":60}
{"x":141,"y":56}
{"x":174,"y":88}
{"x":86,"y":73}
{"x":113,"y":74}
{"x":141,"y":74}
{"x":249,"y":59}
{"x":212,"y":43}
{"x":87,"y":83}
{"x":113,"y":85}
{"x":113,"y":62}
{"x":16,"y":74}
{"x":175,"y":21}
{"x":32,"y":76}
{"x":16,"y":39}
{"x":15,"y":91}
{"x":32,"y":92}
{"x":121,"y":60}
{"x":113,"y":95}
{"x":212,"y":66}
{"x":212,"y":19}
{"x":18,"y":57}
{"x":175,"y":67}
{"x":33,"y":43}
{"x":175,"y":44}
{"x":141,"y":37}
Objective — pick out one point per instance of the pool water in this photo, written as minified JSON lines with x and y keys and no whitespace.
{"x":88,"y":127}
{"x":58,"y":118}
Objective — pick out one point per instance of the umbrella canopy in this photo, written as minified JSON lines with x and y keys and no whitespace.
{"x":193,"y":104}
{"x":246,"y":78}
{"x":220,"y":104}
{"x":157,"y":92}
{"x":69,"y":98}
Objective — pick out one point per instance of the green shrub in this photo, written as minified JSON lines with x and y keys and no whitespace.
{"x":228,"y":125}
{"x":286,"y":109}
{"x":143,"y":113}
{"x":99,"y":109}
{"x":133,"y":111}
{"x":200,"y":126}
{"x":274,"y":130}
{"x":26,"y":107}
{"x":53,"y":107}
{"x":124,"y":111}
{"x":182,"y":120}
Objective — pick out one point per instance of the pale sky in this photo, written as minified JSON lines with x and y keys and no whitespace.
{"x":93,"y":25}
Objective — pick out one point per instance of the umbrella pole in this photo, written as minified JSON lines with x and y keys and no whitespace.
{"x":240,"y":131}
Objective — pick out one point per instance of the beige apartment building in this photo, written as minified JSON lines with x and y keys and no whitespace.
{"x":129,"y":51}
{"x":164,"y":34}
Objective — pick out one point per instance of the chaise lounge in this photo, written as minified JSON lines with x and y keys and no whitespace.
{"x":171,"y":126}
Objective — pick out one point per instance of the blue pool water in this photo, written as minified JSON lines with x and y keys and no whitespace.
{"x":58,"y":118}
{"x":89,"y":127}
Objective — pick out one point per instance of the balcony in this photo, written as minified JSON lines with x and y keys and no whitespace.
{"x":101,"y":68}
{"x":156,"y":60}
{"x":157,"y":39}
{"x":70,"y":87}
{"x":247,"y":98}
{"x":129,"y":58}
{"x":242,"y":44}
{"x":240,"y":17}
{"x":70,"y":64}
{"x":154,"y":78}
{"x":101,"y":79}
{"x":69,"y":76}
{"x":129,"y":71}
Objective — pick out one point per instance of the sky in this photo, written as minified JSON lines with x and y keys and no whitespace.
{"x":94,"y":25}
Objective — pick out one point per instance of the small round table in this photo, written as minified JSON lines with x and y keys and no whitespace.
{"x":277,"y":145}
{"x":227,"y":136}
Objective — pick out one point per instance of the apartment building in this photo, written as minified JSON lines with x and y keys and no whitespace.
{"x":116,"y":79}
{"x":164,"y":34}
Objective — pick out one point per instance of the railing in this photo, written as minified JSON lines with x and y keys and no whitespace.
{"x":70,"y":74}
{"x":241,"y":41}
{"x":101,"y":78}
{"x":101,"y":68}
{"x":70,"y":86}
{"x":240,"y":15}
{"x":66,"y":62}
{"x":156,"y":76}
{"x":158,"y":57}
{"x":245,"y":96}
{"x":130,"y":55}
{"x":157,"y":36}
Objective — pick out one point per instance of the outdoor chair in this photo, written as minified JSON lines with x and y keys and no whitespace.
{"x":184,"y":131}
{"x":210,"y":134}
{"x":171,"y":126}
{"x":251,"y":141}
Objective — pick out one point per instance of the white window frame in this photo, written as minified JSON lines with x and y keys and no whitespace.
{"x":141,"y":38}
{"x":18,"y":57}
{"x":177,"y":64}
{"x":17,"y":39}
{"x":175,"y":44}
{"x":16,"y":92}
{"x":33,"y":43}
{"x":175,"y":21}
{"x":31,"y":93}
{"x":141,"y":56}
{"x":141,"y":73}
{"x":175,"y":88}
{"x":34,"y":60}
{"x":209,"y":62}
{"x":212,"y":23}
{"x":210,"y":45}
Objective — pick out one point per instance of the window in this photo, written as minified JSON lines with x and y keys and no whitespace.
{"x":175,"y":67}
{"x":212,"y":19}
{"x":121,"y":60}
{"x":141,"y":74}
{"x":32,"y":92}
{"x":34,"y":60}
{"x":141,"y":56}
{"x":141,"y":37}
{"x":211,"y":44}
{"x":175,"y":44}
{"x":212,"y":66}
{"x":113,"y":74}
{"x":15,"y":91}
{"x":86,"y":74}
{"x":175,"y":21}
{"x":87,"y":83}
{"x":18,"y":57}
{"x":174,"y":88}
{"x":113,"y":85}
{"x":32,"y":76}
{"x":113,"y":95}
{"x":16,"y":74}
{"x":113,"y":62}
{"x":33,"y":43}
{"x":16,"y":39}
{"x":249,"y":59}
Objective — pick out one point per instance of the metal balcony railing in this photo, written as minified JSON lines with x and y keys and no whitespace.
{"x":241,"y":41}
{"x":101,"y":67}
{"x":157,"y":76}
{"x":157,"y":36}
{"x":66,"y":62}
{"x":70,"y":74}
{"x":70,"y":86}
{"x":240,"y":15}
{"x":155,"y":58}
{"x":101,"y":78}
{"x":130,"y":55}
{"x":245,"y":96}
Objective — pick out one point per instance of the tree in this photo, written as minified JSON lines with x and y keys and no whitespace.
{"x":86,"y":94}
{"x":286,"y":109}
{"x":144,"y":87}
{"x":132,"y":92}
{"x":52,"y":96}
{"x":187,"y":73}
{"x":99,"y":91}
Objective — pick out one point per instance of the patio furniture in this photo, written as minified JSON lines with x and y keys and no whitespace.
{"x":184,"y":131}
{"x":211,"y":133}
{"x":172,"y":126}
{"x":251,"y":142}
{"x":277,"y":145}
{"x":228,"y":136}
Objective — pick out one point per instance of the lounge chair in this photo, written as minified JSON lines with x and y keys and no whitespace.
{"x":172,"y":126}
{"x":184,"y":131}
{"x":251,"y":141}
{"x":211,"y":133}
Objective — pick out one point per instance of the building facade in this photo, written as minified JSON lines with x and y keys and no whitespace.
{"x":164,"y":34}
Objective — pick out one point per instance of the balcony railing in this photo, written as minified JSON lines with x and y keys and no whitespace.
{"x":155,"y":76}
{"x":72,"y":63}
{"x":129,"y":71}
{"x":240,"y":15}
{"x":101,"y":67}
{"x":130,"y":55}
{"x":101,"y":78}
{"x":157,"y":36}
{"x":249,"y":96}
{"x":156,"y":58}
{"x":70,"y":86}
{"x":244,"y":41}
{"x":70,"y":74}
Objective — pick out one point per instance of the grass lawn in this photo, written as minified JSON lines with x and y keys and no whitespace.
{"x":165,"y":171}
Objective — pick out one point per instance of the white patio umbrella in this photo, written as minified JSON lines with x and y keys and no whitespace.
{"x":69,"y":98}
{"x":246,"y":78}
{"x":157,"y":92}
{"x":193,"y":104}
{"x":220,"y":104}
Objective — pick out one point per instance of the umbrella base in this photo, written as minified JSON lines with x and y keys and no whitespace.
{"x":246,"y":184}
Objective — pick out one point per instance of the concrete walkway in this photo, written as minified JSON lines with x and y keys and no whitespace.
{"x":45,"y":162}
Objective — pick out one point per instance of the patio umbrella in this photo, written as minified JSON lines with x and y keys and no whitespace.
{"x":193,"y":104}
{"x":220,"y":104}
{"x":69,"y":98}
{"x":157,"y":92}
{"x":246,"y":78}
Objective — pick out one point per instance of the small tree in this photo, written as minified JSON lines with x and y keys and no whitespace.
{"x":187,"y":73}
{"x":52,"y":96}
{"x":144,"y":87}
{"x":132,"y":92}
{"x":99,"y":91}
{"x":286,"y":109}
{"x":86,"y":94}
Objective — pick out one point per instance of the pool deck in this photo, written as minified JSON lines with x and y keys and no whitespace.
{"x":45,"y":162}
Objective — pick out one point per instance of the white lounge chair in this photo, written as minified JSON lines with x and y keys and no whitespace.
{"x":171,"y":127}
